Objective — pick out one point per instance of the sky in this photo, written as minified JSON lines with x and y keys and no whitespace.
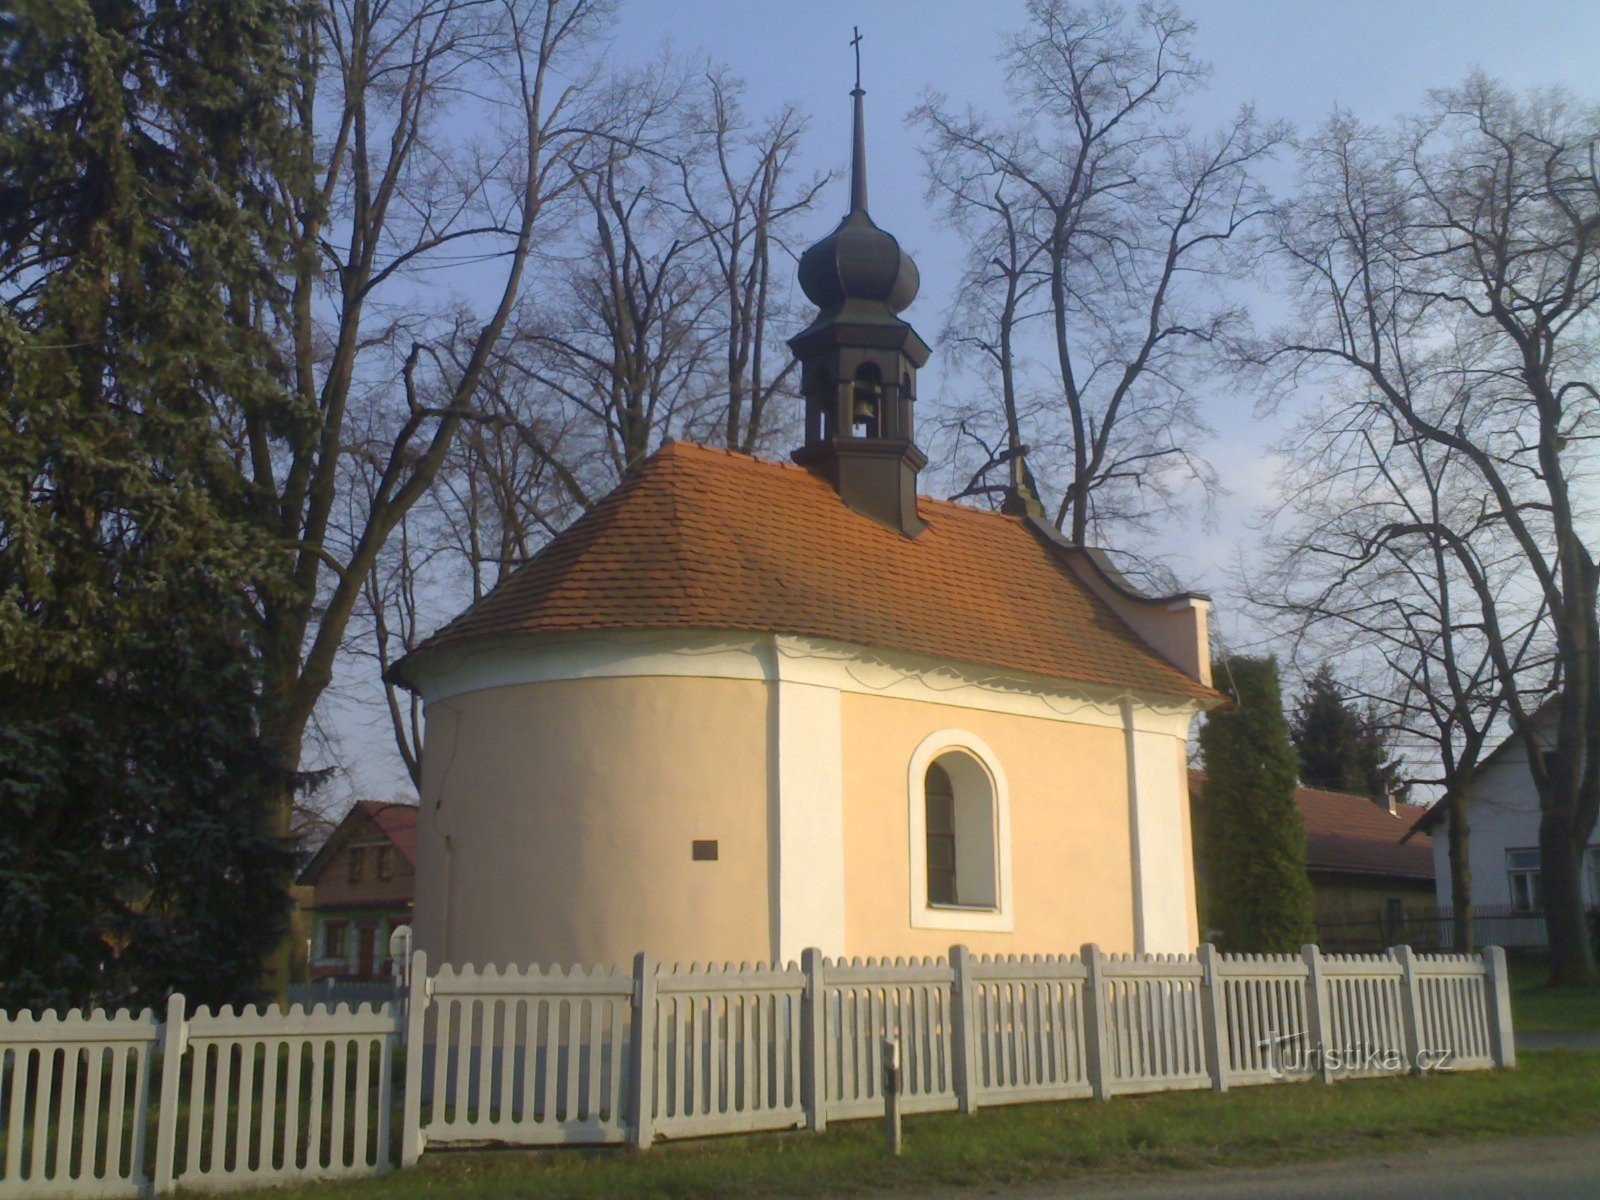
{"x":1293,"y":61}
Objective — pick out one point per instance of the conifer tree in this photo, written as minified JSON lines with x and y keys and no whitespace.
{"x":1252,"y":840}
{"x":1341,"y":748}
{"x":135,"y":853}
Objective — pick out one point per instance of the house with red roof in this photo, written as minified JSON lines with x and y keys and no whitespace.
{"x":361,"y":882}
{"x":744,"y":707}
{"x":1369,"y":871}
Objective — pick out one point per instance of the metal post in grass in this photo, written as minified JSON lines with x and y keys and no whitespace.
{"x":642,"y":1051}
{"x":1497,"y":1002}
{"x":1214,"y":1016}
{"x":411,"y":1139}
{"x":174,"y":1040}
{"x":813,"y":1049}
{"x":891,"y":1094}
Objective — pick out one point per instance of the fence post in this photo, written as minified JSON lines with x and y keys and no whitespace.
{"x":964,"y":1029}
{"x":813,"y":1042}
{"x":417,"y":996}
{"x":1094,"y":1022}
{"x":642,"y":1050}
{"x":1410,"y":1006}
{"x":1317,"y":1014}
{"x":1214,"y":1016}
{"x":1502,"y":1039}
{"x":174,"y":1040}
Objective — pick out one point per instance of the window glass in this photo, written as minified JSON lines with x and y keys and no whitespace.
{"x":1522,"y":873}
{"x":385,"y":863}
{"x":941,"y":801}
{"x":333,"y":940}
{"x":356,"y":858}
{"x":960,"y":821}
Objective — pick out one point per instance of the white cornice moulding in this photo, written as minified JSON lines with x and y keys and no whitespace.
{"x":714,"y":654}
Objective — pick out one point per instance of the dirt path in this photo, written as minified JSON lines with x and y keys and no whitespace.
{"x":1555,"y":1168}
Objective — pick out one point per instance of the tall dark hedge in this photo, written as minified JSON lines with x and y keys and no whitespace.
{"x":1252,"y":841}
{"x":136,"y":138}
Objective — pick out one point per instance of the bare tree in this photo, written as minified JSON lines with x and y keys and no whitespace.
{"x":1452,"y":267}
{"x":735,"y":185}
{"x":1346,"y":577}
{"x":652,"y":313}
{"x":1000,"y":279}
{"x":387,"y":200}
{"x":1127,"y":227}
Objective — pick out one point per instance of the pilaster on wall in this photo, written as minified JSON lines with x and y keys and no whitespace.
{"x":1163,"y":878}
{"x":807,"y":819}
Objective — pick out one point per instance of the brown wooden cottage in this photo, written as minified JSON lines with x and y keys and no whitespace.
{"x":1369,"y":881}
{"x":361,"y":884}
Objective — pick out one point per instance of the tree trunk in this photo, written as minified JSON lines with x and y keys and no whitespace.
{"x":1464,"y":935}
{"x":1560,"y":879}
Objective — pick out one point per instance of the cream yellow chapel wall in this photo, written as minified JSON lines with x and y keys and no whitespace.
{"x":1185,"y":813}
{"x":557,"y":821}
{"x":1070,"y":854}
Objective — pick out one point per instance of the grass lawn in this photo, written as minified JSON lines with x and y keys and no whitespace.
{"x":1550,"y":1092}
{"x":1538,"y":1008}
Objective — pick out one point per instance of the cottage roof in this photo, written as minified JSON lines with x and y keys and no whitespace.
{"x":697,"y":538}
{"x":1431,"y":818}
{"x":397,"y":822}
{"x":1352,"y":834}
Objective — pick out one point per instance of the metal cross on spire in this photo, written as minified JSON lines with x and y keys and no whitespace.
{"x":858,"y":147}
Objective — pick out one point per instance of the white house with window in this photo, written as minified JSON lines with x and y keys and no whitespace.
{"x":1503,"y":840}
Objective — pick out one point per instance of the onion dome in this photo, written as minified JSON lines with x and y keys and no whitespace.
{"x":859,"y":261}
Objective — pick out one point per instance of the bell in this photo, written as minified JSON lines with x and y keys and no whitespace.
{"x":866,"y":409}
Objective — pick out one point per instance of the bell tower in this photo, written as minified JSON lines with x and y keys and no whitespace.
{"x":859,"y":360}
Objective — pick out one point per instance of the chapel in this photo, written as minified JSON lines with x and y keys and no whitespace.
{"x":743,"y":707}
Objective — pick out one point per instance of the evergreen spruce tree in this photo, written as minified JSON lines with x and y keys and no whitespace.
{"x":1252,"y":840}
{"x":136,"y":855}
{"x":1341,"y":748}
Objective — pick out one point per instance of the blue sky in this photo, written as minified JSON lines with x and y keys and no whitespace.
{"x":1294,"y":61}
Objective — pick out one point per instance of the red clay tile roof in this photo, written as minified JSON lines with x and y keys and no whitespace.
{"x":708,"y":539}
{"x":1352,"y":834}
{"x":398,"y":823}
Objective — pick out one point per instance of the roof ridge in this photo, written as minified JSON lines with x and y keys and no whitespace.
{"x":700,"y":536}
{"x":676,"y":447}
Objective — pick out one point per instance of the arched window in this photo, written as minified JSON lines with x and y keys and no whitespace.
{"x":960,"y":827}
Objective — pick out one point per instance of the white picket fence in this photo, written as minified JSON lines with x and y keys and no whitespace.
{"x":104,"y":1105}
{"x":244,"y":1098}
{"x":684,"y":1052}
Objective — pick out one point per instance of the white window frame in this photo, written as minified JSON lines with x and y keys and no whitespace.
{"x":1532,"y":874}
{"x":1000,"y":918}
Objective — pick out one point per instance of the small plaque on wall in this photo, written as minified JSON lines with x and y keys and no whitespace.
{"x":704,"y":850}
